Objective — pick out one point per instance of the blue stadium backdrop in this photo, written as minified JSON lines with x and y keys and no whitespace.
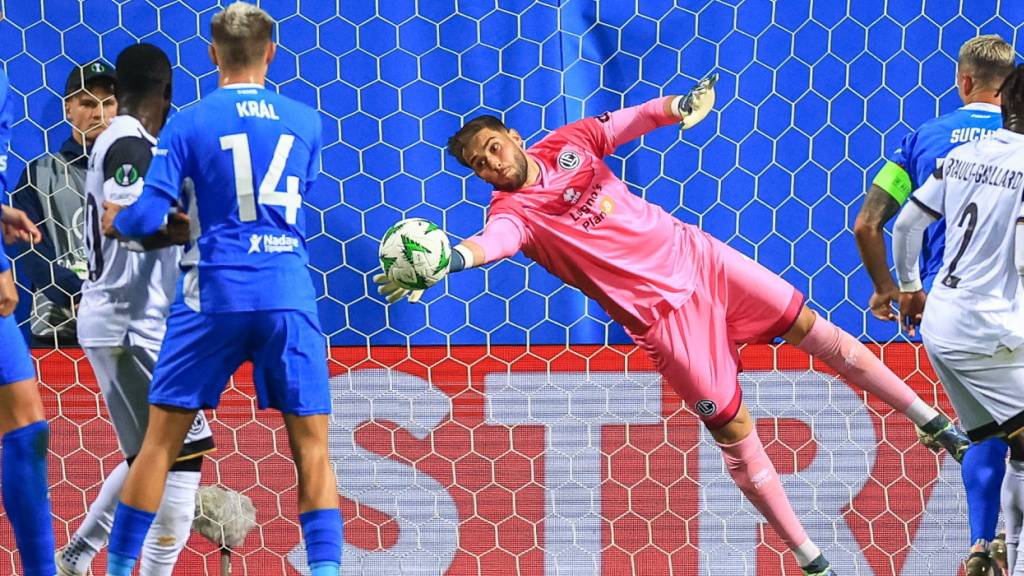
{"x":813,"y":95}
{"x":812,"y":98}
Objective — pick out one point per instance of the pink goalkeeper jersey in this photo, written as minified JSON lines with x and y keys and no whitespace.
{"x":581,"y":222}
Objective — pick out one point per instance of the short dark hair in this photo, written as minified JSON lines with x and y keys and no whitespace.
{"x":1012,"y":94}
{"x":142,"y":70}
{"x":457,"y":143}
{"x":241,"y":32}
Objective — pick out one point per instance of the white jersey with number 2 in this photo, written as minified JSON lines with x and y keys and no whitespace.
{"x":974,"y":305}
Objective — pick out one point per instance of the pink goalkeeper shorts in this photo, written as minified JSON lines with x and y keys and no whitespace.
{"x":735,"y":301}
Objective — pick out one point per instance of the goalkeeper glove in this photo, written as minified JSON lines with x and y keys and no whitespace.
{"x":697,"y":103}
{"x":394,"y":292}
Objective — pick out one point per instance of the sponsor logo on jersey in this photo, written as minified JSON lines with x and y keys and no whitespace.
{"x":569,"y":160}
{"x":256,"y":109}
{"x":126,"y":175}
{"x":592,"y":210}
{"x":571,"y":195}
{"x":271,"y":243}
{"x":969,"y":134}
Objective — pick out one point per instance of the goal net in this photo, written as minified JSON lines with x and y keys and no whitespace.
{"x":507,"y":426}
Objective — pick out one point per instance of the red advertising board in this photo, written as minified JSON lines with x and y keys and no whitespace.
{"x":534,"y":461}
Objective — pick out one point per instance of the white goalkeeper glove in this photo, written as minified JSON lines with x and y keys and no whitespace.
{"x":393,"y":292}
{"x":697,"y":103}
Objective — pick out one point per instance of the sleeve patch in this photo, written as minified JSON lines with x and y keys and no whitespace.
{"x":895,"y":180}
{"x":127,"y":161}
{"x":126,"y":175}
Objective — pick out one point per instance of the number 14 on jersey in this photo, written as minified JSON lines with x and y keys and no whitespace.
{"x":290,"y":199}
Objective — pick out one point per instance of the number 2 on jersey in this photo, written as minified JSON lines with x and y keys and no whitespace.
{"x":970,"y":218}
{"x":290,"y":199}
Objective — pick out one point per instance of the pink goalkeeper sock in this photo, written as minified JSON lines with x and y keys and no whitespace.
{"x":853,"y":361}
{"x":755,"y":476}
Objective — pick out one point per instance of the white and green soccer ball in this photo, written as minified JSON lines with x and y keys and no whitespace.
{"x":415,"y":253}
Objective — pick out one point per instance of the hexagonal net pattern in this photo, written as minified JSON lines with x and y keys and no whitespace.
{"x":508,"y":426}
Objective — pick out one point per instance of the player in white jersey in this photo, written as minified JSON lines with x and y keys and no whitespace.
{"x":121,"y":317}
{"x":973,"y":327}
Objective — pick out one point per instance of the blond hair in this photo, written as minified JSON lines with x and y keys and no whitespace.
{"x":241,"y":33}
{"x":988,"y":59}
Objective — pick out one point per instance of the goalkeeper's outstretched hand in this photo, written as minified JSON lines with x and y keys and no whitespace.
{"x":394,"y":292}
{"x":698,"y":102}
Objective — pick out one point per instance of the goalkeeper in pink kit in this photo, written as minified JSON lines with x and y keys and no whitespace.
{"x":686,"y":298}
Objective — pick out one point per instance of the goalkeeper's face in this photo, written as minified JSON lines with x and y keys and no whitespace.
{"x":498,"y":158}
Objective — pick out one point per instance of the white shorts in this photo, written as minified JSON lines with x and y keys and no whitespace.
{"x":124,"y":373}
{"x":986,"y":391}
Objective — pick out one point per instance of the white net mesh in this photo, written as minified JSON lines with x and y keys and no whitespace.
{"x":507,"y":426}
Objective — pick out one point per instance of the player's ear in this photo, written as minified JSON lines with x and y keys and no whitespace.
{"x":271,"y":51}
{"x":213,"y":55}
{"x":966,"y":83}
{"x":67,"y":108}
{"x":514,"y":135}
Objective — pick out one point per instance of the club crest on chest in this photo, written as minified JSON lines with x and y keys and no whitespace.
{"x":569,"y":160}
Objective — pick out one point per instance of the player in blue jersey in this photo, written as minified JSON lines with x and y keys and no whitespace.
{"x":23,"y":426}
{"x":246,"y":292}
{"x":984,"y":62}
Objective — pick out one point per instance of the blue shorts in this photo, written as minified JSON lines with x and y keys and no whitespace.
{"x":202,"y":351}
{"x":15,"y":361}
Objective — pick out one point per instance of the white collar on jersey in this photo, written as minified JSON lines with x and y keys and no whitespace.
{"x":981,"y":106}
{"x":242,"y":85}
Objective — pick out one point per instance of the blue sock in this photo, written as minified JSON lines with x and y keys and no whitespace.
{"x":126,"y":538}
{"x":26,"y":498}
{"x":982,"y":469}
{"x":322,"y":531}
{"x":324,"y":569}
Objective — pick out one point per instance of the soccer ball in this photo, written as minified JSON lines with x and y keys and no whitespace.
{"x":415,"y":253}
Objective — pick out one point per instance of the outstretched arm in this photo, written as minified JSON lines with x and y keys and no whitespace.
{"x":502,"y":236}
{"x":612,"y":129}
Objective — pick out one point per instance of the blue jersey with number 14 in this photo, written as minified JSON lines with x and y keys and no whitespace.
{"x":251,"y":154}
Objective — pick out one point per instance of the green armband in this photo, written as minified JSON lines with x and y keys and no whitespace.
{"x":894,"y":179}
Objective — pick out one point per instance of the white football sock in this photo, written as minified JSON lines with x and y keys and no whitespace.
{"x":1012,"y":497}
{"x":170,"y":530}
{"x":92,"y":535}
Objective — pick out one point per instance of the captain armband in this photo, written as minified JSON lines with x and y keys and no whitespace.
{"x":894,"y":179}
